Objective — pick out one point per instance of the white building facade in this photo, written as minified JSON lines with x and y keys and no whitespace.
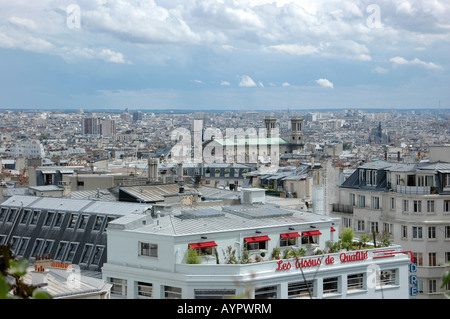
{"x":244,"y":253}
{"x":411,"y":202}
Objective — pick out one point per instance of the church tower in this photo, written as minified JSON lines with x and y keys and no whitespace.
{"x":270,"y":123}
{"x":296,"y":136}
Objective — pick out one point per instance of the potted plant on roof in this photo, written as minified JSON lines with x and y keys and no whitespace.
{"x":192,"y":256}
{"x":227,"y":173}
{"x":207,"y":172}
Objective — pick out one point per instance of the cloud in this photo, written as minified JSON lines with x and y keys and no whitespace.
{"x":285,"y":84}
{"x":225,"y":83}
{"x":197,"y":81}
{"x":247,"y":81}
{"x":402,"y":61}
{"x":294,"y":49}
{"x":325,"y":83}
{"x":106,"y":55}
{"x":380,"y":70}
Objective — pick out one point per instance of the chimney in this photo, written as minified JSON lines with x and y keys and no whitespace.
{"x":39,"y":276}
{"x":180,"y":172}
{"x":152,"y":169}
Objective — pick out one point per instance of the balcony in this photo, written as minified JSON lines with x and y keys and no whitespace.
{"x":344,"y":209}
{"x":413,"y":190}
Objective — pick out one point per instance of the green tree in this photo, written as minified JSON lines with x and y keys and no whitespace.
{"x":11,"y":272}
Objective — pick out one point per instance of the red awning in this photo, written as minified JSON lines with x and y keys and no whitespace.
{"x":332,"y":229}
{"x":203,"y":245}
{"x":256,"y":239}
{"x":311,"y":233}
{"x":290,"y":235}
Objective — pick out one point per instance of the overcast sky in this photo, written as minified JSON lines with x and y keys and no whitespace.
{"x":209,"y":54}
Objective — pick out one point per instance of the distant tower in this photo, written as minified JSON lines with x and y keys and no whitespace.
{"x":270,"y":123}
{"x":296,"y":136}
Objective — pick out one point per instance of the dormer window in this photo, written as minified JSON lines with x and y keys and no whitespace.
{"x":371,"y":177}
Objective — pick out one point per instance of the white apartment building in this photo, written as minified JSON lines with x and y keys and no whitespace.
{"x":26,"y":149}
{"x":148,"y":255}
{"x":411,"y":202}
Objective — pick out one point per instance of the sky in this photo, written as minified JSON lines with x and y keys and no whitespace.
{"x":224,"y":55}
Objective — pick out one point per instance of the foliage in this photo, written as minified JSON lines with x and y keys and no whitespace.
{"x":276,"y":253}
{"x":245,"y":257}
{"x":217,"y":255}
{"x":193,"y":257}
{"x":385,"y":238}
{"x":230,"y":255}
{"x":364,"y":239}
{"x":11,"y":272}
{"x":347,"y":235}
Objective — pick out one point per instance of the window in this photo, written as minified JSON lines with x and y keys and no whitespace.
{"x":98,"y":222}
{"x":25,"y":216}
{"x":373,"y":227}
{"x":48,"y":244}
{"x":371,"y":177}
{"x":330,"y":285}
{"x":61,"y":250}
{"x":98,"y":252}
{"x":148,"y":249}
{"x":346,"y":222}
{"x":404,"y":231}
{"x":392,"y":203}
{"x":86,"y":254}
{"x":432,"y":284}
{"x":37,"y":247}
{"x":375,"y":201}
{"x":352,"y":199}
{"x":418,"y":258}
{"x":256,"y":243}
{"x":431,"y":259}
{"x":405,"y":205}
{"x":59,"y":219}
{"x":35,"y":217}
{"x":145,"y":290}
{"x":83,"y":222}
{"x":11,"y":215}
{"x":49,"y":218}
{"x":72,"y":249}
{"x":284,"y":242}
{"x":300,"y":289}
{"x":446,"y":180}
{"x":119,"y":286}
{"x":73,"y":221}
{"x":446,"y":206}
{"x":417,"y":206}
{"x":23,"y":246}
{"x":431,"y":232}
{"x":172,"y":292}
{"x":430,"y":206}
{"x":447,"y":232}
{"x":387,"y":227}
{"x":387,"y":277}
{"x":214,"y":293}
{"x":355,"y":281}
{"x":360,"y":225}
{"x":417,"y":232}
{"x":3,"y":213}
{"x":268,"y":292}
{"x":361,"y":201}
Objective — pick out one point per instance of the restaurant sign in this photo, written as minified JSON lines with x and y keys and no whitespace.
{"x":317,"y":261}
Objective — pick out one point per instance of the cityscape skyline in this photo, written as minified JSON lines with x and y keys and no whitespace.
{"x":217,"y":55}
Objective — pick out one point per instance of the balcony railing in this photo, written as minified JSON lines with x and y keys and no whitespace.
{"x":414,"y":190}
{"x":341,"y":208}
